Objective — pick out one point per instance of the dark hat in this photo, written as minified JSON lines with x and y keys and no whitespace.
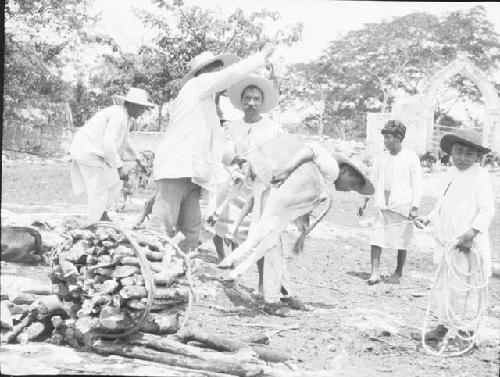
{"x":395,"y":128}
{"x":465,"y":136}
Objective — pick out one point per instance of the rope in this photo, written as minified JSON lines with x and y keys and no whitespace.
{"x":448,"y":269}
{"x":192,"y":296}
{"x":146,"y":272}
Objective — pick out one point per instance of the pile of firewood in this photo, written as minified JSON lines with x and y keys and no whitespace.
{"x":119,"y":284}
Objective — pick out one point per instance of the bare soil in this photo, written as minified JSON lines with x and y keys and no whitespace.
{"x":358,"y":329}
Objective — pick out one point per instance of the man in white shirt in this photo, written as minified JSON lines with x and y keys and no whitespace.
{"x":96,"y":153}
{"x":397,"y":178}
{"x":188,"y":157}
{"x":254,"y":96}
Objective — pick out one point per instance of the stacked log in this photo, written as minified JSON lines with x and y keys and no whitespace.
{"x":118,"y":284}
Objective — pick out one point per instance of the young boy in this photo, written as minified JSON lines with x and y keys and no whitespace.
{"x":462,"y":215}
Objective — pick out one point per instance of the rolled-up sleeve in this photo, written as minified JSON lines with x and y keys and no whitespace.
{"x":327,"y":164}
{"x":485,"y":203}
{"x":211,"y":83}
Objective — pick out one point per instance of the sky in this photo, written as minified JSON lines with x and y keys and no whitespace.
{"x":323,"y":19}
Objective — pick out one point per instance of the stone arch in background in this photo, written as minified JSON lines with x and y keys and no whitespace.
{"x":465,"y":67}
{"x":417,"y":111}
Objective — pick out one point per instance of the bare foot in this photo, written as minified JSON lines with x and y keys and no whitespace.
{"x":374,"y":279}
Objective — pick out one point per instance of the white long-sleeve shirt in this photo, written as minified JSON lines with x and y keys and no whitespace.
{"x":243,"y":136}
{"x":405,"y":185}
{"x":105,"y":135}
{"x":465,"y":201}
{"x":192,"y":146}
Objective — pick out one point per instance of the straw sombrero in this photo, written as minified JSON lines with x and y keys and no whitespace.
{"x":204,"y":59}
{"x":136,"y":95}
{"x":267,"y":87}
{"x":361,"y":168}
{"x":465,"y":136}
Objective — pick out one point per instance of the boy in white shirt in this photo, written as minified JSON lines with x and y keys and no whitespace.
{"x":461,"y":215}
{"x":397,"y":178}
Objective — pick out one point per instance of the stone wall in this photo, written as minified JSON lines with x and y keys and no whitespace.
{"x":146,"y":141}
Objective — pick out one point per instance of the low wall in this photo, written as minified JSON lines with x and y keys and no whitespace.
{"x":144,"y":141}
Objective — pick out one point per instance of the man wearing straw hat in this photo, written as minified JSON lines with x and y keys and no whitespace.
{"x":190,"y":153}
{"x":254,"y":96}
{"x":96,"y":153}
{"x":397,"y":178}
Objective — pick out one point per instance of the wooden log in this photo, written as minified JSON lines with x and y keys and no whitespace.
{"x":124,"y":271}
{"x":6,"y":320}
{"x":107,"y":272}
{"x":126,"y":350}
{"x":122,"y":251}
{"x":220,"y":343}
{"x":78,"y":253}
{"x":82,"y":326}
{"x":25,"y":322}
{"x":105,"y":259}
{"x":154,"y":256}
{"x":160,"y":323}
{"x":129,"y":280}
{"x":111,"y":318}
{"x":160,"y":293}
{"x":108,"y":287}
{"x":24,"y":299}
{"x":169,"y":344}
{"x":68,"y":268}
{"x":46,"y":305}
{"x":133,"y":291}
{"x":31,"y":332}
{"x":167,"y":305}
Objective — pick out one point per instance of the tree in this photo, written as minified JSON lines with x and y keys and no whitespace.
{"x":37,"y":36}
{"x":180,"y":32}
{"x":363,"y":70}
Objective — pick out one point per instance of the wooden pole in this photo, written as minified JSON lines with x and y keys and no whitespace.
{"x":121,"y":348}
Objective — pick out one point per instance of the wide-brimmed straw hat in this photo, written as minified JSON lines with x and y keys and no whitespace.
{"x":465,"y":136}
{"x":361,"y":168}
{"x":137,"y":95}
{"x":270,"y":99}
{"x":204,"y":59}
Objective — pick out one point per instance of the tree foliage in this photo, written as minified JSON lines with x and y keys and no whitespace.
{"x":180,"y":32}
{"x":362,"y":71}
{"x":39,"y":38}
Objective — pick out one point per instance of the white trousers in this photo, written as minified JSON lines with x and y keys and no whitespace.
{"x":101,"y":184}
{"x":275,"y":274}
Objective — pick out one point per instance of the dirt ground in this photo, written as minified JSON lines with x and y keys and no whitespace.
{"x":350,"y":327}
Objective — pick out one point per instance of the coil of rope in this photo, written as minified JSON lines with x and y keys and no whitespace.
{"x":448,"y":271}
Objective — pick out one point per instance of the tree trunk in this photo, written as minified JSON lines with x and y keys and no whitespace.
{"x":220,"y":343}
{"x":160,"y":107}
{"x":170,"y":345}
{"x":126,"y":350}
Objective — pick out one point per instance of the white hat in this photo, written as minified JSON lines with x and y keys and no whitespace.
{"x":204,"y":59}
{"x":267,"y":87}
{"x":136,"y":95}
{"x":358,"y":165}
